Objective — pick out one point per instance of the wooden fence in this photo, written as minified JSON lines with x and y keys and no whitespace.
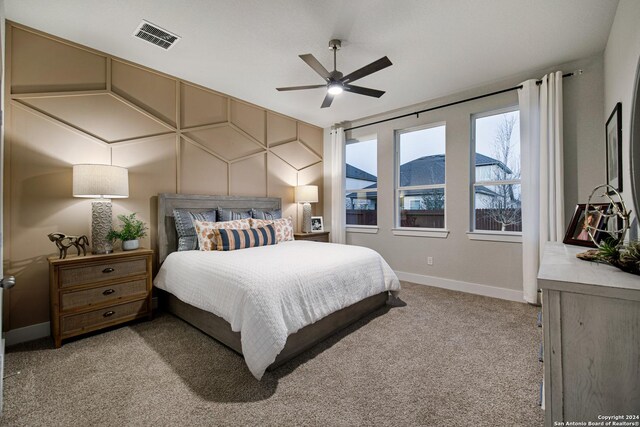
{"x":431,"y":219}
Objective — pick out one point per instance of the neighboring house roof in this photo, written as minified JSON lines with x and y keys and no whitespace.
{"x":482,"y":160}
{"x":356,"y":173}
{"x":355,"y":194}
{"x":429,"y":170}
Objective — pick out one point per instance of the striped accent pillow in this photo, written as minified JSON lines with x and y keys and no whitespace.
{"x":232,"y":239}
{"x":206,"y":236}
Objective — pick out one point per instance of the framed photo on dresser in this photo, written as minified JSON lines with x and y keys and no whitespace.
{"x":316,"y":224}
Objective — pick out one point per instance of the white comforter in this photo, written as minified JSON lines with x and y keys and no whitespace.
{"x":270,"y":292}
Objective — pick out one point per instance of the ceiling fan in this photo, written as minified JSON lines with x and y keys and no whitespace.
{"x":336,"y":82}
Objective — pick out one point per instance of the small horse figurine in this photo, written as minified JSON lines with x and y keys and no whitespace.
{"x":64,"y":242}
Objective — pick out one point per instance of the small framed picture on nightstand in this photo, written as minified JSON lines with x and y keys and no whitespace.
{"x":316,"y":224}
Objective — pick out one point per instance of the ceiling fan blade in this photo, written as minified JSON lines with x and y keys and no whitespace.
{"x":378,"y":65}
{"x":316,"y":65}
{"x":327,"y":101}
{"x":300,"y":87}
{"x":364,"y":90}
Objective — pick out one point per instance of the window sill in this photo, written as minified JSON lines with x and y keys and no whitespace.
{"x":495,"y":236}
{"x":365,"y":229}
{"x":421,"y":232}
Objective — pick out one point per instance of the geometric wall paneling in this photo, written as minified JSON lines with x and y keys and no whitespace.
{"x":248,"y":118}
{"x":311,"y":136}
{"x":199,"y":107}
{"x":282,"y":179}
{"x":296,"y":154}
{"x":226,"y":142}
{"x":248,"y":176}
{"x":200,"y":172}
{"x":280,"y":128}
{"x":103,"y":116}
{"x":148,"y":90}
{"x":40,"y":64}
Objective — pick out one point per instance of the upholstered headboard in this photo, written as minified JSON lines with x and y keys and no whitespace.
{"x":167,"y":202}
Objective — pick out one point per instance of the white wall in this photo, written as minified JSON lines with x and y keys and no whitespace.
{"x":456,"y":258}
{"x":621,"y":59}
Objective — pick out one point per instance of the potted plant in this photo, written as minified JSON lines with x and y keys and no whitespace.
{"x":132,"y":230}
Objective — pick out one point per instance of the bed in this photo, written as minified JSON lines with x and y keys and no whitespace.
{"x":267,"y":303}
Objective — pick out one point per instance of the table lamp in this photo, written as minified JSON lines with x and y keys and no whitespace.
{"x":102,"y":182}
{"x":306,"y":194}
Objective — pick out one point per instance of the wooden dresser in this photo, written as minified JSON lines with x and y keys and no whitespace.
{"x":591,"y":325}
{"x":320,"y":236}
{"x":97,"y":291}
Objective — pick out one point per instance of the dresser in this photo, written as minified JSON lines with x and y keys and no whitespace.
{"x":320,"y":236}
{"x":591,"y":328}
{"x":92,"y":292}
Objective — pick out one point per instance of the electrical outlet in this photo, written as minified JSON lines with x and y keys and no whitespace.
{"x":430,"y":260}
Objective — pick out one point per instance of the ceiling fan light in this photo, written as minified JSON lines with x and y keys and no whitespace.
{"x":334,"y":88}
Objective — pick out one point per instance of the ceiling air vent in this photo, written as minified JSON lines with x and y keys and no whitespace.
{"x":156,"y":35}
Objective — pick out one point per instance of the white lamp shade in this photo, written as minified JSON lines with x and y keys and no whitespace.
{"x":306,"y":194}
{"x":100,"y":181}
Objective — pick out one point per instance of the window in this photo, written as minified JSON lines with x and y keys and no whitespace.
{"x":361,"y":183}
{"x":420,"y":177}
{"x":495,"y":173}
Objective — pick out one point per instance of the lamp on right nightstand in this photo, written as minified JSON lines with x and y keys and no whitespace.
{"x":306,"y":194}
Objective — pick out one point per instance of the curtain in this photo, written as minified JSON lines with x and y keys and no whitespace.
{"x":338,"y":218}
{"x":542,"y":174}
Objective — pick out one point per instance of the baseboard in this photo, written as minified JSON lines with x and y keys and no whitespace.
{"x":28,"y":333}
{"x":456,"y":285}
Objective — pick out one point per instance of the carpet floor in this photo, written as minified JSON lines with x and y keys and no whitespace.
{"x":444,"y":359}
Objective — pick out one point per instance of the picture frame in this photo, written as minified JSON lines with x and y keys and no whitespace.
{"x":577,"y":234}
{"x":317,"y":224}
{"x":613,"y":133}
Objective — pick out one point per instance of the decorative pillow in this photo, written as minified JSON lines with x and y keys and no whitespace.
{"x":206,"y":236}
{"x":232,"y":239}
{"x":187,"y":239}
{"x":231,"y":215}
{"x":283,"y":226}
{"x":271,"y":215}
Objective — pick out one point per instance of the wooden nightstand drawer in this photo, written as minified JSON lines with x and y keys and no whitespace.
{"x":72,"y":276}
{"x":103,"y":294}
{"x":322,"y":236}
{"x":93,"y":319}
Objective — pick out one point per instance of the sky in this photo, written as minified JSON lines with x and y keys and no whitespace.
{"x":430,"y":141}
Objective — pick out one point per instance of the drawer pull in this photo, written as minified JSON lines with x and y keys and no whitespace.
{"x":108,"y":270}
{"x":108,"y":292}
{"x":109,"y":313}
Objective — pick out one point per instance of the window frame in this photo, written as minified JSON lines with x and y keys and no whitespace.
{"x":417,"y":231}
{"x":489,"y":235}
{"x":359,"y":228}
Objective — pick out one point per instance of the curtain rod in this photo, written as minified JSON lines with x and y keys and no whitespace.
{"x":486,"y":95}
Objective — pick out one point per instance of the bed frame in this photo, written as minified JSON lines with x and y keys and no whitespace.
{"x":216,"y":326}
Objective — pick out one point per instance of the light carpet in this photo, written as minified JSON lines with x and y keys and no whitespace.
{"x":444,"y":359}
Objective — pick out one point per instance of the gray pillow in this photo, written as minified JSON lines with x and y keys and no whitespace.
{"x":187,"y":239}
{"x":230,"y":214}
{"x":268,"y":215}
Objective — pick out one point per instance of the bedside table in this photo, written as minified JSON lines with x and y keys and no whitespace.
{"x":93,"y":292}
{"x":321,"y":236}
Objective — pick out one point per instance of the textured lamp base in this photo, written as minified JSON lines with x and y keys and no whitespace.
{"x":306,"y":218}
{"x":100,"y":226}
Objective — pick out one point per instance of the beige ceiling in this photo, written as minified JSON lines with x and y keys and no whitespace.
{"x":438,"y":47}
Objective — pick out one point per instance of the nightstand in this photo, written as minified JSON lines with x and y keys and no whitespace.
{"x":320,"y":236}
{"x":93,"y":292}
